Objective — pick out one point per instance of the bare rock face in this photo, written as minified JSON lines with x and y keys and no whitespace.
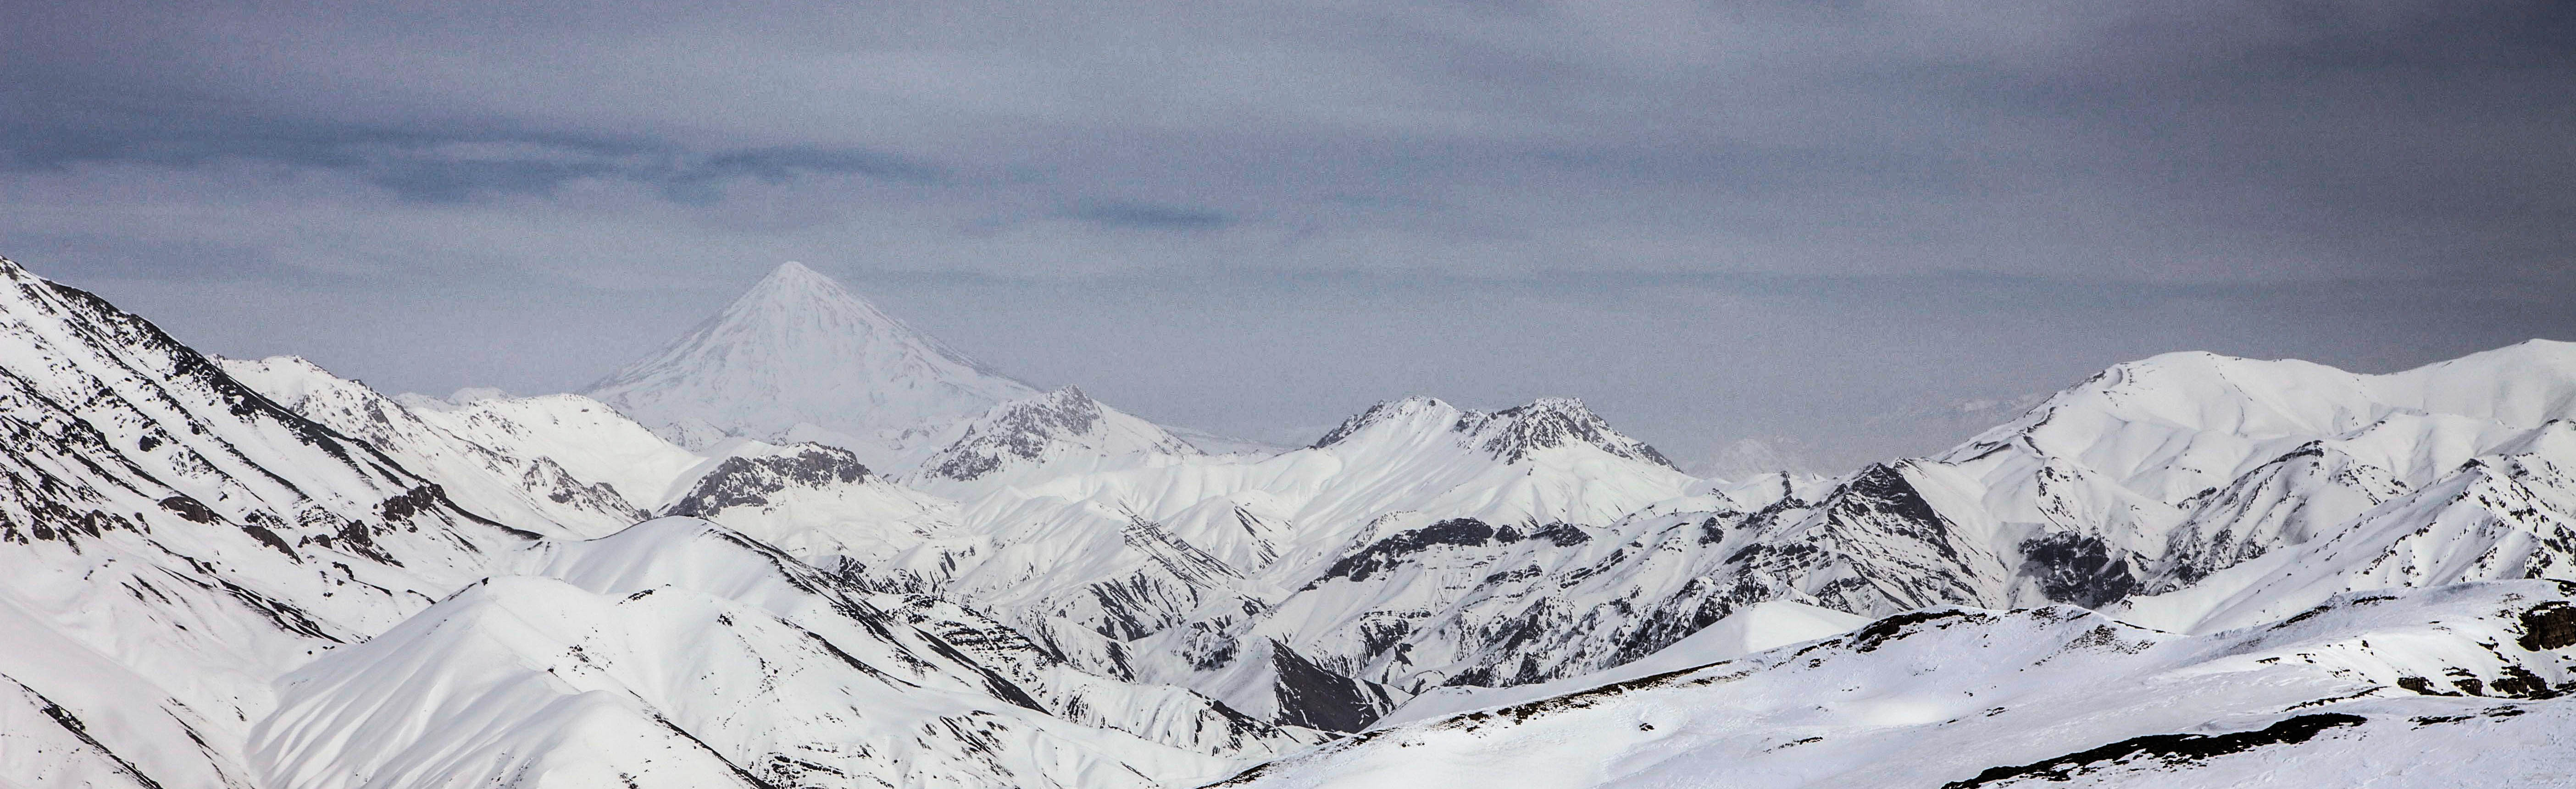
{"x":751,"y":481}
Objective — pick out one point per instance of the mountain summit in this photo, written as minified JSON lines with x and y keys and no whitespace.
{"x":800,"y":358}
{"x":1510,"y":435}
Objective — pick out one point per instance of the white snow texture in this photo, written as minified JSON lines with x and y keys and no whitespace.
{"x":808,"y":546}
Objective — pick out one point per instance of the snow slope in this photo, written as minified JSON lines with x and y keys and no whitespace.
{"x":563,"y":460}
{"x":2510,"y":513}
{"x":175,"y":541}
{"x":2450,"y":686}
{"x":1412,"y":549}
{"x":799,"y":358}
{"x":1420,"y":546}
{"x":170,"y":540}
{"x":1757,"y":627}
{"x":1055,"y":434}
{"x":1220,"y":573}
{"x":2157,"y":474}
{"x":573,"y":467}
{"x":1058,"y":593}
{"x":678,"y":653}
{"x":2137,"y":457}
{"x":814,"y":501}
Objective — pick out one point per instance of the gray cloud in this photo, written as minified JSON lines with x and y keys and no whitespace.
{"x":2062,"y":163}
{"x":1149,"y":216}
{"x":447,"y":168}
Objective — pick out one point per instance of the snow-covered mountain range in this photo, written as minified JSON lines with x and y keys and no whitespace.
{"x":207,"y":588}
{"x":808,"y":546}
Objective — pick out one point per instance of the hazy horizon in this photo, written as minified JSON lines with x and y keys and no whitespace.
{"x":1710,"y":221}
{"x":1876,"y":426}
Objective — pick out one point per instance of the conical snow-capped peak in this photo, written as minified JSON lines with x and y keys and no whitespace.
{"x":799,"y":357}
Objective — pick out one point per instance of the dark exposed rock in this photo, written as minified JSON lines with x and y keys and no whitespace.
{"x":562,"y":488}
{"x":51,"y":519}
{"x":2077,"y":569}
{"x":1119,"y":601}
{"x":2170,"y":749}
{"x":1316,"y":698}
{"x":2490,"y":712}
{"x":1870,"y":637}
{"x":348,"y":535}
{"x":2550,"y":625}
{"x":1378,"y":634}
{"x":750,"y":481}
{"x":2519,"y":682}
{"x":1562,"y":535}
{"x":1388,"y":552}
{"x":257,"y":526}
{"x":1880,"y":491}
{"x":411,"y":502}
{"x":1712,"y":531}
{"x":1177,"y":556}
{"x":191,"y":509}
{"x":1209,"y":648}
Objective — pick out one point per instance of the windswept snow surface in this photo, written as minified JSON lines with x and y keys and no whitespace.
{"x":1260,"y":581}
{"x":2509,"y":513}
{"x":170,"y":540}
{"x":2447,"y":687}
{"x":800,"y":358}
{"x":257,"y":574}
{"x":1754,"y":628}
{"x":1056,"y":434}
{"x":678,"y":653}
{"x":2157,"y":476}
{"x":2190,"y":462}
{"x":561,"y":460}
{"x":1421,"y":547}
{"x":814,"y":501}
{"x":175,"y":541}
{"x":573,"y":467}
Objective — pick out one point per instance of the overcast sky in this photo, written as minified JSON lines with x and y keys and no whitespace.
{"x":1710,"y":220}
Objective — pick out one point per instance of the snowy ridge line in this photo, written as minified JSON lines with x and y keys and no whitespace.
{"x":2191,"y":570}
{"x":1453,"y":602}
{"x":686,"y":626}
{"x":170,"y":538}
{"x":270,"y":551}
{"x":1969,"y":697}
